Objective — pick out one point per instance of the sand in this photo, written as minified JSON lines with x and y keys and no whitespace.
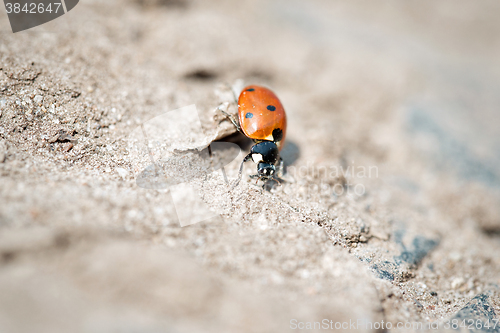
{"x":389,"y":210}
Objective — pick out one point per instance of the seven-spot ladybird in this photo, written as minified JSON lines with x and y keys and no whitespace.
{"x":262,"y":118}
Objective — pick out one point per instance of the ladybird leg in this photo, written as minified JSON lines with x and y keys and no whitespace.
{"x":256,"y":176}
{"x":230,"y":117}
{"x":249,"y":156}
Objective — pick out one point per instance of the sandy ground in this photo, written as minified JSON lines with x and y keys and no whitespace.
{"x":403,"y":94}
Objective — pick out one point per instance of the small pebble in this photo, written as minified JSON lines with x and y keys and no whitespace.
{"x":457,"y":282}
{"x":38,"y":99}
{"x":67,"y":147}
{"x":122,"y":172}
{"x":54,"y":138}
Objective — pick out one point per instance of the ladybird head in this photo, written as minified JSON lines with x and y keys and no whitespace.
{"x":265,"y":154}
{"x":266,"y":170}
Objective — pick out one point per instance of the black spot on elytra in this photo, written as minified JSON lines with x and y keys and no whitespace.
{"x":249,"y":115}
{"x":250,"y":89}
{"x":277,"y":134}
{"x":271,"y":107}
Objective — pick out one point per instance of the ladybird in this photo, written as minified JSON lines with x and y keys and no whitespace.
{"x":262,"y":118}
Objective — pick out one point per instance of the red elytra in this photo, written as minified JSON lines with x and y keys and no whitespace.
{"x":261,"y":115}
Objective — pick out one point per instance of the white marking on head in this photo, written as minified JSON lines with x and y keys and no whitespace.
{"x":269,"y":137}
{"x":257,"y":158}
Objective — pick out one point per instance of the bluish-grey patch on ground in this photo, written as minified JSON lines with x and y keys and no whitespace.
{"x":385,"y":270}
{"x":421,"y":246}
{"x":413,"y":255}
{"x":451,"y":152}
{"x":478,"y":316}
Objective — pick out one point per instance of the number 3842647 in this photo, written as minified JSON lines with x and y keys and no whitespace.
{"x":32,"y":8}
